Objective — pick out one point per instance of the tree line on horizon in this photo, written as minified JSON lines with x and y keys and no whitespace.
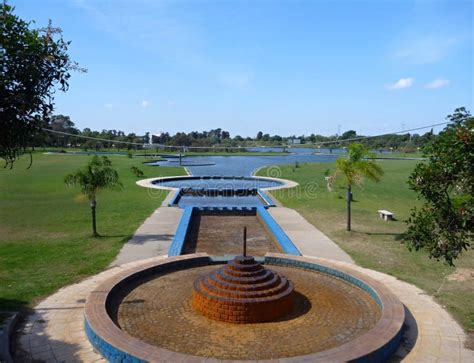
{"x":211,"y":139}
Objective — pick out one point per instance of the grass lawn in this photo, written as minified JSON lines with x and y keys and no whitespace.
{"x":374,"y":243}
{"x":45,"y":231}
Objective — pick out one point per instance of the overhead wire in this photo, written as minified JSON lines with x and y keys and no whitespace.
{"x":159,"y":145}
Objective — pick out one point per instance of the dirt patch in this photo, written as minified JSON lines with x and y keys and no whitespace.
{"x":462,"y":274}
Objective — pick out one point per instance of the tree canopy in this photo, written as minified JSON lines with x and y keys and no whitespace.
{"x":443,"y":226}
{"x":33,"y":63}
{"x":98,"y":174}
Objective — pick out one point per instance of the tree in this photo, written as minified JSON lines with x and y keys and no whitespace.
{"x":32,"y":63}
{"x":98,"y":174}
{"x":348,"y":135}
{"x":443,"y":225}
{"x":358,"y":165}
{"x":259,"y":135}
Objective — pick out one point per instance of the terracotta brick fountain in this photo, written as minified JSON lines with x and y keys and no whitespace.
{"x":243,"y":292}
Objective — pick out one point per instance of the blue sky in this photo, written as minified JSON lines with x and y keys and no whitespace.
{"x":283,"y":67}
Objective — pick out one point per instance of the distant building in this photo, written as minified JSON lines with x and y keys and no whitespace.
{"x":295,"y":141}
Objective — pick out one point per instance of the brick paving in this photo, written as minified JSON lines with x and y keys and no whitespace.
{"x":222,"y":234}
{"x":54,"y":333}
{"x":327,"y":313}
{"x":243,"y":291}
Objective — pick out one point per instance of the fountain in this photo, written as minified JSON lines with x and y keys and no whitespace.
{"x":279,"y":306}
{"x":243,"y":292}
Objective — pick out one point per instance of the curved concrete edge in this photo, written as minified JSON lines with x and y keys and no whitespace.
{"x":55,"y":329}
{"x":148,"y":183}
{"x":287,"y":183}
{"x":114,"y":344}
{"x":5,"y":334}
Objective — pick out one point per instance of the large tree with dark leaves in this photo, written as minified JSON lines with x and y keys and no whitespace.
{"x":33,"y":64}
{"x":443,"y":226}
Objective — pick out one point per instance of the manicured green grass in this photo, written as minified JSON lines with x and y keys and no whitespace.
{"x":45,"y":231}
{"x":374,"y":243}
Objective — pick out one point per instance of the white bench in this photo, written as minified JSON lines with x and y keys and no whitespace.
{"x":386,"y":215}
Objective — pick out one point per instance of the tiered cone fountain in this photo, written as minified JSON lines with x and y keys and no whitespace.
{"x":243,"y":292}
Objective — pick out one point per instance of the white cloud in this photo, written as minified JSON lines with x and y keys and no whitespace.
{"x":109,"y":105}
{"x":400,"y":84}
{"x":437,"y":83}
{"x":145,"y":103}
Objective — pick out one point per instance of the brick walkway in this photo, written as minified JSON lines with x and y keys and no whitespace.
{"x":54,"y":332}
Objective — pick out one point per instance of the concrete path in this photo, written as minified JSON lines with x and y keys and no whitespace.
{"x":152,"y":238}
{"x":54,"y":332}
{"x":309,"y":240}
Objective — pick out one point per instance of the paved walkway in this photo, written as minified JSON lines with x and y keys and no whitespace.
{"x":55,"y":333}
{"x":152,"y":238}
{"x":309,"y":240}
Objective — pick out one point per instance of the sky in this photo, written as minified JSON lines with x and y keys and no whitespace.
{"x":282,"y":67}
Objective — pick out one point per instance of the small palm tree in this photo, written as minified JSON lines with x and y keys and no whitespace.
{"x":358,"y":165}
{"x":96,"y":175}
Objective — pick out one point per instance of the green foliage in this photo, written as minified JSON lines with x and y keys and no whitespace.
{"x":137,"y":171}
{"x":356,"y":166}
{"x":443,"y":226}
{"x":96,"y":175}
{"x":32,"y":63}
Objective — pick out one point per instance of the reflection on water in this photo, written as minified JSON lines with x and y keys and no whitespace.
{"x":219,"y":183}
{"x":246,"y":165}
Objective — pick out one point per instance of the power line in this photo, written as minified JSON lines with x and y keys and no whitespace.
{"x":90,"y":137}
{"x":372,"y":137}
{"x":239,"y":147}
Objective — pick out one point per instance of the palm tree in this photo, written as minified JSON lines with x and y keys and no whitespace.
{"x":358,"y":165}
{"x":96,"y":175}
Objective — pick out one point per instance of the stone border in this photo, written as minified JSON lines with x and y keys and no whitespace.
{"x":266,"y":201}
{"x":148,"y":183}
{"x":177,"y":245}
{"x":116,"y":345}
{"x":270,"y":225}
{"x":278,"y":234}
{"x":5,"y":334}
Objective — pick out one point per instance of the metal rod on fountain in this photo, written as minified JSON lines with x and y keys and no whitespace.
{"x":245,"y":241}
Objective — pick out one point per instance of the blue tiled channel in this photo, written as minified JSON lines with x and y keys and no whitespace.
{"x":187,"y":197}
{"x":219,"y":191}
{"x":179,"y":239}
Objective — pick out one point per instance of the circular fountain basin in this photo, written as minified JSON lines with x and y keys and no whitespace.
{"x":146,"y":314}
{"x":217,"y":182}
